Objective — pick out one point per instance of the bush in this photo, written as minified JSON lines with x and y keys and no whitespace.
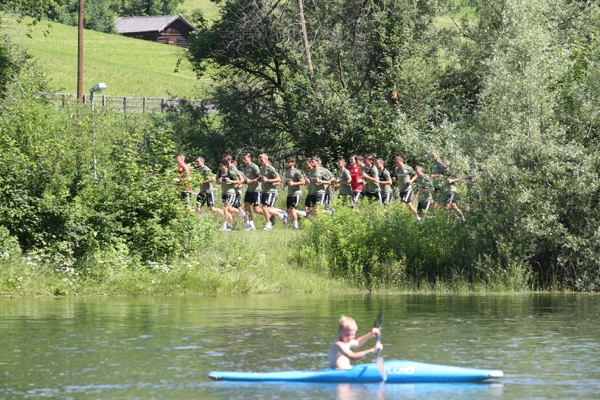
{"x":377,"y":247}
{"x":9,"y":246}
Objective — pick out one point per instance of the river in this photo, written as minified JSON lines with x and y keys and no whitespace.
{"x":163,"y":347}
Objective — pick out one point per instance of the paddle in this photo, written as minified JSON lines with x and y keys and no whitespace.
{"x":380,"y":366}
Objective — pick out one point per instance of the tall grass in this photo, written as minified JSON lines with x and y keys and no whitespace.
{"x":128,"y":66}
{"x":240,"y":263}
{"x":388,"y":249}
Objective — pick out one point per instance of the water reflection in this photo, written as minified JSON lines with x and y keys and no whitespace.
{"x":345,"y":391}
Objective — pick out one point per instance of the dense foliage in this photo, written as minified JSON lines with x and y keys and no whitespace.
{"x":52,"y":204}
{"x":381,"y":248}
{"x":508,"y":92}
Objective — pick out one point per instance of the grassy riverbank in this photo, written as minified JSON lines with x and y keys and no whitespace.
{"x":312,"y":260}
{"x":240,"y":263}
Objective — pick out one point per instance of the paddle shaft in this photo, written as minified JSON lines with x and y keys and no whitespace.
{"x":380,"y":366}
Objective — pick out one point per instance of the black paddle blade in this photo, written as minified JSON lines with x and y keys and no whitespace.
{"x":378,"y":320}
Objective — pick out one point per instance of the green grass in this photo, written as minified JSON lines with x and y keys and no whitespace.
{"x":128,"y":66}
{"x":241,"y":262}
{"x":210,"y":9}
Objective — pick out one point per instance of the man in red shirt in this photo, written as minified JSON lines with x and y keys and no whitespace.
{"x":356,"y":181}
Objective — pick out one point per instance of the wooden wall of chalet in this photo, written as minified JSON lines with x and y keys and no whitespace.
{"x":176,"y":34}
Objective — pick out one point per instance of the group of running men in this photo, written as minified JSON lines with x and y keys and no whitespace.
{"x":365,"y":177}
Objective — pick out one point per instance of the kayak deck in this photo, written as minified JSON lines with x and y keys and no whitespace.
{"x":398,"y":371}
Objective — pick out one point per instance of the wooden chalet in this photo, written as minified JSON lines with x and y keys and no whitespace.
{"x":168,"y":29}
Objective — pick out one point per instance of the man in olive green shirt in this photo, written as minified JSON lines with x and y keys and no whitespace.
{"x":316,"y":190}
{"x":269,"y":178}
{"x":370,"y":176}
{"x":252,"y":196}
{"x":425,"y":190}
{"x":326,"y":178}
{"x":385,"y":182}
{"x":344,"y":180}
{"x":236,"y":208}
{"x":293,"y":180}
{"x":403,"y":177}
{"x":206,"y":195}
{"x":451,"y":191}
{"x":227,"y":178}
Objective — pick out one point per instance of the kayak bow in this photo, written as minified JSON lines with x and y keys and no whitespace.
{"x":398,"y":371}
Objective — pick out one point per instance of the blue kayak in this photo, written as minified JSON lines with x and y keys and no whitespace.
{"x":398,"y":371}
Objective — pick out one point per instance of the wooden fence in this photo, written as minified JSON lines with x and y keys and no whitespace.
{"x":129,"y":104}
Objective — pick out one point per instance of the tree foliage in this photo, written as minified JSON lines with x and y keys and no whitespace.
{"x":97,"y":15}
{"x":361,"y":51}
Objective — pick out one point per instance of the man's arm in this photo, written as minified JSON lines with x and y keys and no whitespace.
{"x":348,"y":180}
{"x":355,"y":356}
{"x":275,"y":180}
{"x":361,"y":340}
{"x":386,"y":182}
{"x":235,"y":178}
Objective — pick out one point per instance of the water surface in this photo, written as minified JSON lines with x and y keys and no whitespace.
{"x":547,"y":345}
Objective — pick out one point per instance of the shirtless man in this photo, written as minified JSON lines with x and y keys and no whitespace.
{"x":340,"y":352}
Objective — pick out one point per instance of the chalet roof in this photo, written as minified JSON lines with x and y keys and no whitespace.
{"x":148,"y":24}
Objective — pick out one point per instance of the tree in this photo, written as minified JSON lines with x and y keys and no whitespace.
{"x":539,"y":176}
{"x":139,"y":8}
{"x":270,"y":99}
{"x":32,"y":8}
{"x":97,"y":15}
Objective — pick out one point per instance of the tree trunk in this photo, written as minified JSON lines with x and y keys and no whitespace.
{"x":305,"y":39}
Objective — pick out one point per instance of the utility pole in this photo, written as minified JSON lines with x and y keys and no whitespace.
{"x":80,"y":54}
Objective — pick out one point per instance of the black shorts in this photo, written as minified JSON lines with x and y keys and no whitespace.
{"x":236,"y":202}
{"x":373,"y":196}
{"x":424,"y":205}
{"x":292,"y":201}
{"x":386,"y":198}
{"x":252,"y":198}
{"x":406,"y":195}
{"x":206,"y":198}
{"x":228,"y":199}
{"x":314,"y":199}
{"x":186,"y":196}
{"x":268,"y":199}
{"x":450,"y":198}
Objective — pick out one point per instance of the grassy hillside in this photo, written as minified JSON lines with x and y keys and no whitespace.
{"x":209,"y":8}
{"x":128,"y":66}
